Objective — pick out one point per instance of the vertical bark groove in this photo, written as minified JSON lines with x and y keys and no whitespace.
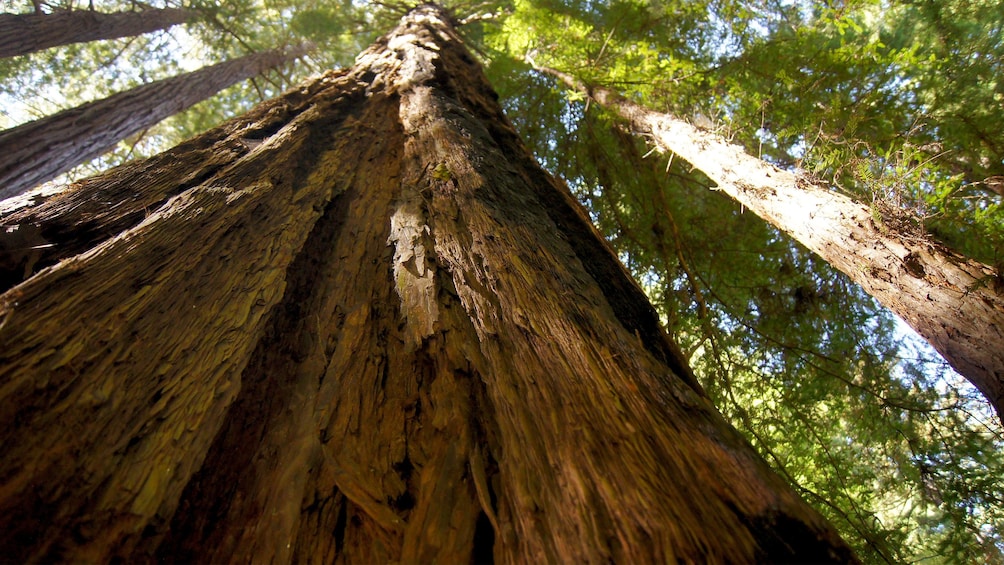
{"x":36,"y":235}
{"x":414,"y":362}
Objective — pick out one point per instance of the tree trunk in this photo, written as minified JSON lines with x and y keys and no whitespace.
{"x":26,"y":33}
{"x":373,"y":331}
{"x":955,"y":303}
{"x":35,"y":152}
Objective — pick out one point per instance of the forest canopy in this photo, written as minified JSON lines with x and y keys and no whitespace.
{"x":894,"y":103}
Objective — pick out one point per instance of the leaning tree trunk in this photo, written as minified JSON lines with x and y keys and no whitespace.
{"x":372,"y":330}
{"x":26,"y":33}
{"x":35,"y":152}
{"x":955,"y":303}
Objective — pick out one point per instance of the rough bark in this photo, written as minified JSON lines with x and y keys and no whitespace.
{"x":955,"y":303}
{"x":382,"y":334}
{"x":35,"y":152}
{"x":21,"y":34}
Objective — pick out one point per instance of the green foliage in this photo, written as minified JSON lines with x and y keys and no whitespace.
{"x":43,"y":83}
{"x":318,"y":25}
{"x":870,"y":431}
{"x":893,"y":102}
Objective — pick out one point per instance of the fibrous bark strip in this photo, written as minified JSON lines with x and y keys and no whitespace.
{"x":384,"y":334}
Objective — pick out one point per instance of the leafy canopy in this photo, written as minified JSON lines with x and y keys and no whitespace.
{"x":894,"y":102}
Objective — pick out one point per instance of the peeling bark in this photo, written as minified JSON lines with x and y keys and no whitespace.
{"x":21,"y":34}
{"x":383,"y":334}
{"x":38,"y":151}
{"x":955,"y":303}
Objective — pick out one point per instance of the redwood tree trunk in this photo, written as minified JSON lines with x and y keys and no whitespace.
{"x":374,"y":331}
{"x":26,"y":33}
{"x":955,"y":303}
{"x":35,"y":152}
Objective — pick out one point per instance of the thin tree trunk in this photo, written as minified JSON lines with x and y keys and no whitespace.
{"x":379,"y":333}
{"x":35,"y":152}
{"x":955,"y":303}
{"x":26,"y":33}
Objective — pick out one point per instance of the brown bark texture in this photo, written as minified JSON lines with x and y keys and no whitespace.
{"x":21,"y":34}
{"x":361,"y":325}
{"x":37,"y":151}
{"x":953,"y":302}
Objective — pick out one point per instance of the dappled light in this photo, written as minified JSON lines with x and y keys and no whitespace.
{"x":331,"y":295}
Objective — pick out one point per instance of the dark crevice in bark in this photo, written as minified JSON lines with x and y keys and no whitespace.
{"x":785,"y":539}
{"x":628,"y":301}
{"x":340,"y":523}
{"x":417,"y":369}
{"x":99,"y":208}
{"x":289,"y":361}
{"x":266,"y":391}
{"x":484,"y":542}
{"x":67,"y":240}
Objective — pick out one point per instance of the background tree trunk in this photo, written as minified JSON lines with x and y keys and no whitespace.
{"x":35,"y":152}
{"x":380,"y":334}
{"x":26,"y":33}
{"x":955,"y":303}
